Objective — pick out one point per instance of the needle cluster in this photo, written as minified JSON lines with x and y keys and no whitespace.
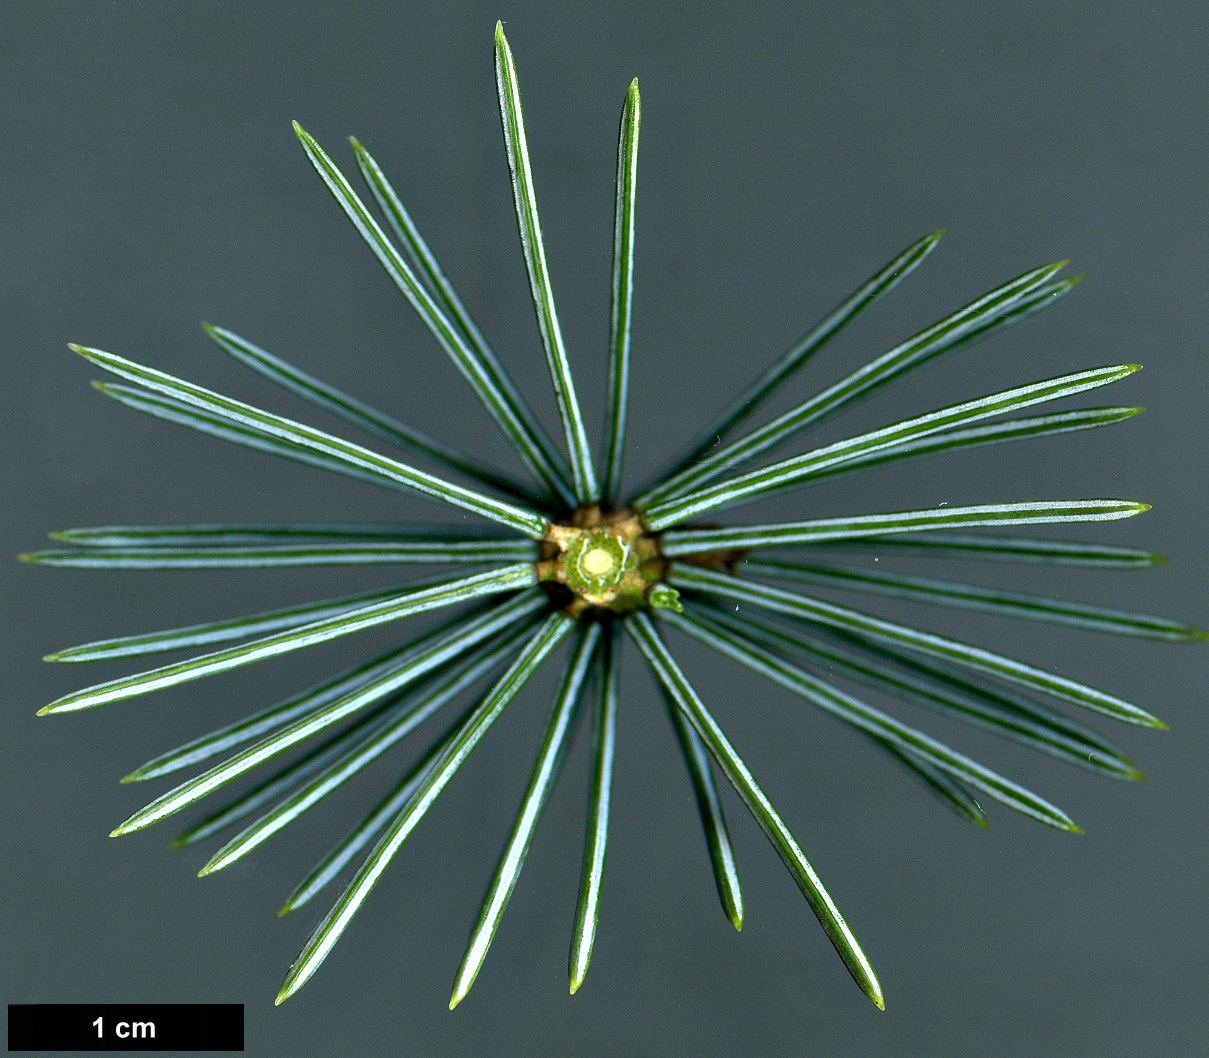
{"x":564,"y":554}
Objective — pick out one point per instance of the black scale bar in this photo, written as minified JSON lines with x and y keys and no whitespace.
{"x":125,"y":1027}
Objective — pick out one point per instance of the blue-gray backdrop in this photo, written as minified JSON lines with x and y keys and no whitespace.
{"x":151,"y":180}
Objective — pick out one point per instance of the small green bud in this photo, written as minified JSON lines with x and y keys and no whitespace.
{"x":664,"y":596}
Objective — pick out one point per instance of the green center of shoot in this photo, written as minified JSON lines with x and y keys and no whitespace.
{"x":608,"y":562}
{"x":597,"y":562}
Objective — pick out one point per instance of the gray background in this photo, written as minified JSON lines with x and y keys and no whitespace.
{"x":151,"y":180}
